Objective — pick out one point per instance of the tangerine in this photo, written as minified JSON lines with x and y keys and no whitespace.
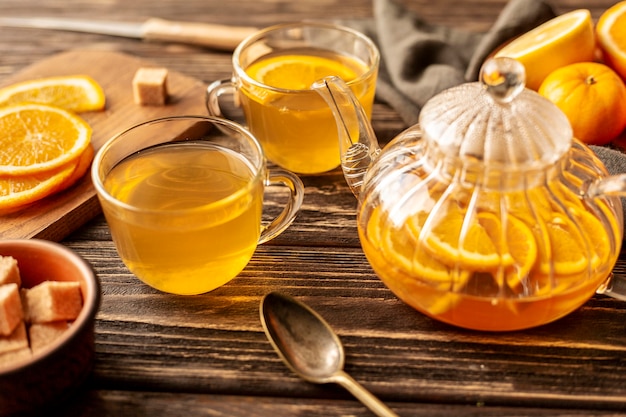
{"x":592,"y":96}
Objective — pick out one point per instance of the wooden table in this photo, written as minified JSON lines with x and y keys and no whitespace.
{"x":163,"y":355}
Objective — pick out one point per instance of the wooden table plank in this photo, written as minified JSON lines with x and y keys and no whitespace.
{"x":215,"y":341}
{"x":99,"y":403}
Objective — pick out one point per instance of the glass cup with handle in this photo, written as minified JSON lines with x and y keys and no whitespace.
{"x":273,"y":71}
{"x":183,"y":197}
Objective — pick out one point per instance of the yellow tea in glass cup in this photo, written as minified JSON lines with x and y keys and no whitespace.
{"x":183,"y":198}
{"x":273,"y":71}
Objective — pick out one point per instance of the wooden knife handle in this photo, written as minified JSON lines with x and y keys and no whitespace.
{"x":215,"y":36}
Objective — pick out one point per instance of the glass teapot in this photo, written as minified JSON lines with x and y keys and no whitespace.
{"x":488,"y":214}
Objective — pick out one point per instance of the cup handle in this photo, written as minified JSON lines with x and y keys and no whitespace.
{"x":287,"y":216}
{"x":214,"y":93}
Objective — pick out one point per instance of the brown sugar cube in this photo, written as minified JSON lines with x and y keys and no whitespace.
{"x":150,"y":86}
{"x":42,"y":334}
{"x":16,"y":340}
{"x":14,"y":356}
{"x":11,"y":313}
{"x":52,"y":301}
{"x":9,"y":271}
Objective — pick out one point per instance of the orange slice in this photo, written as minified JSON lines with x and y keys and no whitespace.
{"x":401,"y":249}
{"x":19,"y":191}
{"x":438,"y":281}
{"x":298,"y":72}
{"x":36,"y":138}
{"x":516,"y":244}
{"x":454,"y":240}
{"x":596,"y":235}
{"x":399,"y":246}
{"x":567,"y":248}
{"x":570,"y":197}
{"x":76,"y":93}
{"x":563,"y":40}
{"x":492,"y":225}
{"x":609,"y":213}
{"x":82,"y":165}
{"x":611,"y":35}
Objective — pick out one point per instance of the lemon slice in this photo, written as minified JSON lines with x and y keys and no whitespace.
{"x":76,"y":93}
{"x":35,"y":138}
{"x":561,"y":41}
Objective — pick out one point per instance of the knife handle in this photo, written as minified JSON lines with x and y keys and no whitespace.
{"x":215,"y":36}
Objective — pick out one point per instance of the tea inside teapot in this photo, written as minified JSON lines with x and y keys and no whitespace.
{"x":487,"y":259}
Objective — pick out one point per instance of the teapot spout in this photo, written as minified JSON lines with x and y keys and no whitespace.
{"x":358,"y":145}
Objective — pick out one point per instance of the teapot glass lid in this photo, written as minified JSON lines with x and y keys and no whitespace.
{"x":497,"y":120}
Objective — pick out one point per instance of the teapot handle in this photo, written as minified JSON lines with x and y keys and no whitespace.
{"x":614,"y":286}
{"x":614,"y":185}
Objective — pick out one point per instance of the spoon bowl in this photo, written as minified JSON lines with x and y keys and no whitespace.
{"x":309,"y":346}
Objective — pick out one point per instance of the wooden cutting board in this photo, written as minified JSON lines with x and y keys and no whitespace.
{"x":55,"y":217}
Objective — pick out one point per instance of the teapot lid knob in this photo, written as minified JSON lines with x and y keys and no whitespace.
{"x":503,"y":78}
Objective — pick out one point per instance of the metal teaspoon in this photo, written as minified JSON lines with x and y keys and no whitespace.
{"x":310,"y":348}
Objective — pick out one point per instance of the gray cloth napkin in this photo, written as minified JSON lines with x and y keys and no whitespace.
{"x":419,"y":60}
{"x":615,"y":163}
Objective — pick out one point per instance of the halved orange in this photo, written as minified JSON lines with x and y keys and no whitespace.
{"x":611,"y":35}
{"x":563,"y":40}
{"x":76,"y":93}
{"x":36,"y":138}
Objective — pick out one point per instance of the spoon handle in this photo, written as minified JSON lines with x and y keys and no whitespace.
{"x":367,"y":398}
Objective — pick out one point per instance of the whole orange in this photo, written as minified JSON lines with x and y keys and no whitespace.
{"x":592,"y":96}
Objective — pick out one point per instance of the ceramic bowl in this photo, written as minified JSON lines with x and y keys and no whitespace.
{"x":52,"y":375}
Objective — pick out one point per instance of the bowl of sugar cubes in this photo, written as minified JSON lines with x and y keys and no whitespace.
{"x":49,"y":297}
